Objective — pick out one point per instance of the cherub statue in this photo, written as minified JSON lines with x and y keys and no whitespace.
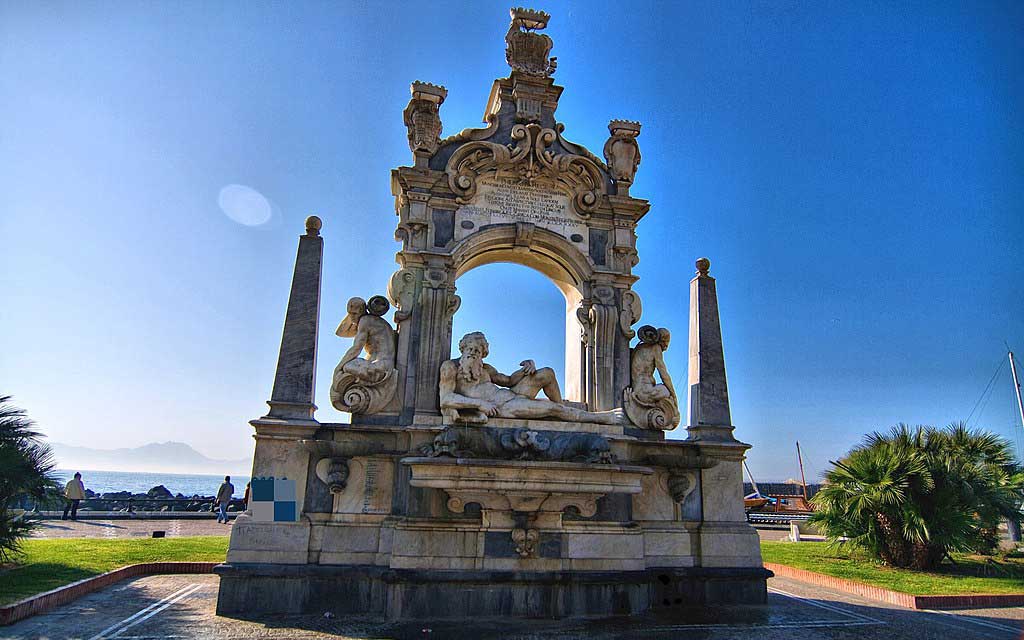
{"x":472,"y":390}
{"x":648,"y":404}
{"x":365,"y":385}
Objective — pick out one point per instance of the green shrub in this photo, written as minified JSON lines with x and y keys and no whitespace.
{"x":912,"y":496}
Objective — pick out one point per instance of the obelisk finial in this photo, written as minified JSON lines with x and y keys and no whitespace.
{"x":313,"y":225}
{"x":703,"y":266}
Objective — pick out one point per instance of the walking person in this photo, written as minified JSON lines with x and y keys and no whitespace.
{"x":74,"y":492}
{"x":224,"y":498}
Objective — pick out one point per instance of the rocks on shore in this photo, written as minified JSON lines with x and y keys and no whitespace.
{"x":116,"y":501}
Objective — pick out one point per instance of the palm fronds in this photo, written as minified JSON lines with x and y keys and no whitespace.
{"x":914,"y":494}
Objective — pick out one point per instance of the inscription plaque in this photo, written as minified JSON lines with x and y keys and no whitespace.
{"x":507,"y":201}
{"x":369,"y":487}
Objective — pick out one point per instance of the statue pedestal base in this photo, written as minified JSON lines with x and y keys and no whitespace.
{"x":434,"y":594}
{"x":434,"y":521}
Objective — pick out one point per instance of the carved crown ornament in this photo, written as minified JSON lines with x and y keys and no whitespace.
{"x":622,"y":151}
{"x":525,"y":50}
{"x":528,"y":160}
{"x":422,"y":118}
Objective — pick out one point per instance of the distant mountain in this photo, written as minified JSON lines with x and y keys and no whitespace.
{"x":162,"y":457}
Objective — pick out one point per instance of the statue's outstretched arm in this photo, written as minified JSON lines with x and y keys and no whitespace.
{"x":500,"y":378}
{"x":356,"y":348}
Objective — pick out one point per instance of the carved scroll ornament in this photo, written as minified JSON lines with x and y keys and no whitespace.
{"x":402,"y":292}
{"x":630,"y":313}
{"x":527,"y":160}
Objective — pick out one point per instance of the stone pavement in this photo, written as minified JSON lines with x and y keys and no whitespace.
{"x":138,"y":528}
{"x":182,"y":606}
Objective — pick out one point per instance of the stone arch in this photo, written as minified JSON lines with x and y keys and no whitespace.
{"x":551,"y":255}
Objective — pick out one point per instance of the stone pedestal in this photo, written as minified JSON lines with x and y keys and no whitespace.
{"x":418,"y":535}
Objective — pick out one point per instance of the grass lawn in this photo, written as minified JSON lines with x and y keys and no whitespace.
{"x":49,"y":563}
{"x":971,"y":574}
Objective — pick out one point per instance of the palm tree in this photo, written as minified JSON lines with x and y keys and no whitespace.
{"x":26,"y":469}
{"x":913,"y":495}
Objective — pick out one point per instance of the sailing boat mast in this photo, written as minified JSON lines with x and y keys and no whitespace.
{"x":800,"y":459}
{"x":751,"y":476}
{"x":1016,"y":387}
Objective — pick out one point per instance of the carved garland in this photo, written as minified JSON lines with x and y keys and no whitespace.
{"x":529,"y":158}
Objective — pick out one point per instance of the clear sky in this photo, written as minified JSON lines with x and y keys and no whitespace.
{"x":854,"y":171}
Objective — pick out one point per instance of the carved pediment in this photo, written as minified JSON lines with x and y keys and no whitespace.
{"x":529,"y":159}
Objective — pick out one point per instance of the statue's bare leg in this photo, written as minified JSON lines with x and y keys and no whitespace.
{"x":535,"y":409}
{"x":543,"y":379}
{"x":366,"y":370}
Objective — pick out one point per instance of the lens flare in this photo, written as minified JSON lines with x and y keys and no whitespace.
{"x":244,"y":205}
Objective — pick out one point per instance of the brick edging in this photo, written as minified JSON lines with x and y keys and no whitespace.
{"x":22,"y":609}
{"x":906,"y":600}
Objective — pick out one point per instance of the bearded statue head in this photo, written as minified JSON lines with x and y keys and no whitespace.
{"x":474,"y":349}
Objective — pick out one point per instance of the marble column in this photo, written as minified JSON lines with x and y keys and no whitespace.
{"x":708,"y":416}
{"x":294,"y":382}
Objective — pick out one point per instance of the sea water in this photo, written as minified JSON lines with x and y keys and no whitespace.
{"x":187,"y":484}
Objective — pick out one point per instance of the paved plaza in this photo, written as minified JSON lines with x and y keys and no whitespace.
{"x":129,"y":528}
{"x":182,"y":606}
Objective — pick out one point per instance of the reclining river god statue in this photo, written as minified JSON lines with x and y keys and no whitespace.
{"x":472,"y":390}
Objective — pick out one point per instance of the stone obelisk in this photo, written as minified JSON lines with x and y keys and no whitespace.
{"x":708,"y":415}
{"x":295,"y":380}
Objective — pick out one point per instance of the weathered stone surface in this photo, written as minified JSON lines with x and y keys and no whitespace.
{"x":520,"y":444}
{"x":709,"y":416}
{"x":370,"y":487}
{"x":276,"y":542}
{"x":294,"y":382}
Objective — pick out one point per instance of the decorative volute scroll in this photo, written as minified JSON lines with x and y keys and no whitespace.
{"x":650,"y":405}
{"x":423,"y":120}
{"x":630,"y":313}
{"x":681,"y":483}
{"x":527,"y":160}
{"x":526,"y":51}
{"x":402,"y":292}
{"x":622,"y":151}
{"x":366,"y":385}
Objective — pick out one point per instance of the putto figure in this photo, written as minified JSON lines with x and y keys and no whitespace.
{"x":648,"y":404}
{"x":365,"y":385}
{"x":472,"y":390}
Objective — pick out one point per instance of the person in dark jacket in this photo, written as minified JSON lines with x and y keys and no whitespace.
{"x":223,"y":499}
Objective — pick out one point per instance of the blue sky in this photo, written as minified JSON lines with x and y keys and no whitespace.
{"x":854,"y":171}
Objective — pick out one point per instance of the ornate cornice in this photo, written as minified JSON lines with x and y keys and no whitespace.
{"x":527,"y":160}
